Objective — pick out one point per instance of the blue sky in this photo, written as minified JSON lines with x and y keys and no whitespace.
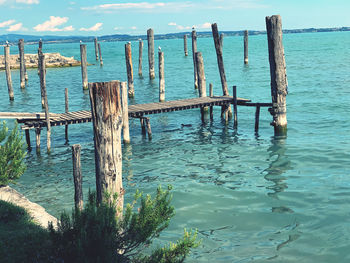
{"x":104,"y":17}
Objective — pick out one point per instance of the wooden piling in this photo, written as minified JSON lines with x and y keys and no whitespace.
{"x":8,"y":72}
{"x":29,"y":147}
{"x":185,"y":45}
{"x":40,"y":47}
{"x":96,"y":48}
{"x":22,"y":69}
{"x":37,"y":138}
{"x":211,"y":94}
{"x":143,"y":125}
{"x":46,"y":105}
{"x":148,"y":127}
{"x":40,"y":53}
{"x":129,"y":70}
{"x":257,"y":116}
{"x":107,"y":121}
{"x":279,"y":83}
{"x":150,"y":41}
{"x":225,"y":110}
{"x":235,"y":121}
{"x":201,"y":80}
{"x":126,"y":133}
{"x":100,"y":54}
{"x":246,"y":47}
{"x":66,"y":103}
{"x":40,"y":44}
{"x":194,"y":50}
{"x":83,"y":61}
{"x":77,"y":176}
{"x":140,"y":56}
{"x":161,"y":76}
{"x":222,"y":40}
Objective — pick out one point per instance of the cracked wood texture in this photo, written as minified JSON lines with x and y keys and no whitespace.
{"x":150,"y":42}
{"x":129,"y":70}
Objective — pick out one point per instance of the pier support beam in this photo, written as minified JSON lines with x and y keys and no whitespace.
{"x":257,"y":116}
{"x":150,"y":42}
{"x":194,"y":50}
{"x":129,"y":70}
{"x":161,"y":76}
{"x":83,"y":60}
{"x":37,"y":138}
{"x":78,"y":180}
{"x":211,"y":94}
{"x":8,"y":72}
{"x":234,"y":94}
{"x":29,"y":147}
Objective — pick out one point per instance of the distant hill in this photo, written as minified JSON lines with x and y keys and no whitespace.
{"x":31,"y":39}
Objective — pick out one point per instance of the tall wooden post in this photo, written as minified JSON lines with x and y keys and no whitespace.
{"x":148,"y":126}
{"x":66,"y":109}
{"x":46,"y":105}
{"x":226,"y":111}
{"x":279,"y":83}
{"x":29,"y":147}
{"x":140,"y":56}
{"x":161,"y":76}
{"x":211,"y":94}
{"x":222,"y":40}
{"x":40,"y":47}
{"x":78,"y":180}
{"x":246,"y":47}
{"x":185,"y":45}
{"x":8,"y":72}
{"x":96,"y":48}
{"x":129,"y":70}
{"x":83,"y":60}
{"x":22,"y":69}
{"x":125,"y":109}
{"x":100,"y":54}
{"x":194,"y":50}
{"x":201,"y":80}
{"x":257,"y":116}
{"x":40,"y":53}
{"x":150,"y":41}
{"x":37,"y":137}
{"x":234,"y":94}
{"x":107,"y":122}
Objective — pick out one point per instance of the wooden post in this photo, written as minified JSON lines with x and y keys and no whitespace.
{"x":201,"y":80}
{"x":257,"y":115}
{"x":194,"y":50}
{"x":40,"y":43}
{"x":125,"y":109}
{"x":66,"y":103}
{"x":39,"y":52}
{"x":107,"y":122}
{"x":46,"y":105}
{"x":29,"y":147}
{"x":279,"y":83}
{"x":246,"y":47}
{"x":150,"y":41}
{"x":22,"y":69}
{"x":185,"y":45}
{"x":225,"y":110}
{"x":235,"y":121}
{"x":8,"y":72}
{"x":83,"y":60}
{"x":222,"y":40}
{"x":37,"y":137}
{"x":78,"y":180}
{"x":211,"y":94}
{"x":140,"y":56}
{"x":100,"y":54}
{"x":143,"y":125}
{"x":149,"y":130}
{"x":96,"y":48}
{"x":129,"y":70}
{"x":161,"y":76}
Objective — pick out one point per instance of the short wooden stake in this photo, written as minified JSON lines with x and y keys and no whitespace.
{"x":107,"y":122}
{"x":37,"y":138}
{"x":211,"y":94}
{"x":257,"y":115}
{"x":22,"y":69}
{"x":77,"y":176}
{"x":235,"y":121}
{"x":246,"y":47}
{"x":194,"y":50}
{"x":100,"y":54}
{"x":201,"y":80}
{"x":226,"y":110}
{"x":66,"y":109}
{"x":150,"y":41}
{"x":83,"y":60}
{"x":140,"y":56}
{"x":125,"y":109}
{"x":143,"y":125}
{"x":149,"y":130}
{"x":161,"y":76}
{"x":8,"y":72}
{"x":29,"y":147}
{"x":185,"y":45}
{"x":279,"y":83}
{"x":96,"y":48}
{"x":129,"y":70}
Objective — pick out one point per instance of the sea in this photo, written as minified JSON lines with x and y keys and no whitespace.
{"x":252,"y":197}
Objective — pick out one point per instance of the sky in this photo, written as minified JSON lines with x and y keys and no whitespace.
{"x":134,"y":17}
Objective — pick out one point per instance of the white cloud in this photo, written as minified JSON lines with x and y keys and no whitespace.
{"x":52,"y":24}
{"x":28,"y":2}
{"x":133,"y":27}
{"x":16,"y":27}
{"x":7,"y":23}
{"x":172,"y":24}
{"x":96,"y":27}
{"x":205,"y":25}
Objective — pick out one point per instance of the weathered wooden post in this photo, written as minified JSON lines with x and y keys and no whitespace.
{"x":149,"y":130}
{"x":234,"y":94}
{"x":161,"y":75}
{"x":201,"y":80}
{"x":257,"y":115}
{"x":40,"y":51}
{"x":100,"y":54}
{"x":37,"y":137}
{"x":8,"y":72}
{"x":78,"y":180}
{"x":185,"y":45}
{"x":143,"y":125}
{"x":246,"y":47}
{"x":279,"y":83}
{"x":222,"y":40}
{"x":46,"y":105}
{"x":125,"y":109}
{"x":194,"y":50}
{"x":129,"y":70}
{"x":22,"y":69}
{"x":107,"y":121}
{"x":140,"y":56}
{"x":83,"y":60}
{"x":211,"y":94}
{"x":66,"y":109}
{"x":226,"y":111}
{"x":29,"y":147}
{"x":150,"y":41}
{"x":96,"y":48}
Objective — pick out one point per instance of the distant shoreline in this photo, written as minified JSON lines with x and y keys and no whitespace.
{"x":31,"y":39}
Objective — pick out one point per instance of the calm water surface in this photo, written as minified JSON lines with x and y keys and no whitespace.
{"x":251,"y":197}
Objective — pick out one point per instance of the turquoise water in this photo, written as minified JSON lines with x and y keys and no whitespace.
{"x":251,"y":197}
